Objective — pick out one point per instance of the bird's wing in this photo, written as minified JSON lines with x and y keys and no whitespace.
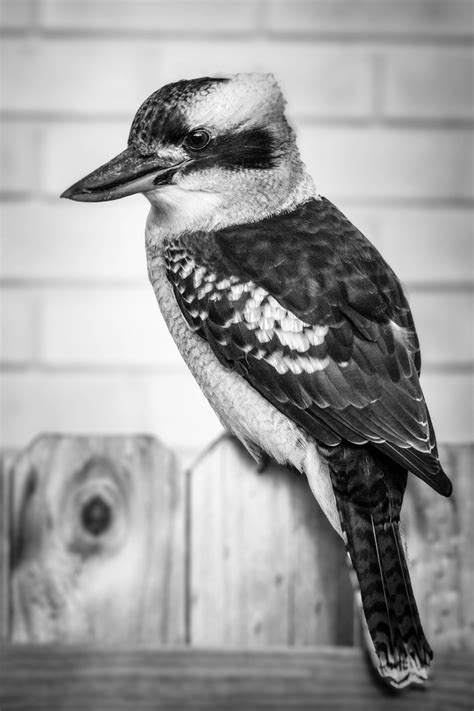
{"x":304,"y":307}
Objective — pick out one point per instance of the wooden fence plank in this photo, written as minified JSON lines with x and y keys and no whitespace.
{"x":322,"y":679}
{"x":263,"y":567}
{"x":6,"y":459}
{"x":464,"y":479}
{"x":321,"y":601}
{"x":440,"y":533}
{"x":98,"y":542}
{"x":238,"y":554}
{"x":266,"y":567}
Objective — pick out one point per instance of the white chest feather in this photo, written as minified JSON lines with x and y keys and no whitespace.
{"x":239,"y":407}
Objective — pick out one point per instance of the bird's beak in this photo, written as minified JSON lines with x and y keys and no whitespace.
{"x":126,"y":174}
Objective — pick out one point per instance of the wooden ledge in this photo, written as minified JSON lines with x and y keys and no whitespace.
{"x":53,"y":677}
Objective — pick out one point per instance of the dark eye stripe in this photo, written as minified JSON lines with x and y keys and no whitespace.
{"x":255,"y":148}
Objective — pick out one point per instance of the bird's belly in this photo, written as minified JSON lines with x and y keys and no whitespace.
{"x":238,"y":405}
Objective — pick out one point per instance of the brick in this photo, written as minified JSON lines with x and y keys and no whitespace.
{"x":71,"y":150}
{"x":170,"y":406}
{"x":17,"y":157}
{"x":334,"y":81}
{"x":120,"y":326}
{"x":397,"y":163}
{"x":427,"y":246}
{"x":16,"y":14}
{"x":443,"y":321}
{"x":432,"y":18}
{"x":179,"y":412}
{"x":129,"y":72}
{"x":18,"y":325}
{"x":62,"y":240}
{"x":315,"y":81}
{"x":177,"y":16}
{"x":449,"y":398}
{"x":322,"y":82}
{"x":423,"y":245}
{"x":428,"y":83}
{"x":185,"y":59}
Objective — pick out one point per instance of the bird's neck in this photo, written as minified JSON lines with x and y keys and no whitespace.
{"x":176,"y":210}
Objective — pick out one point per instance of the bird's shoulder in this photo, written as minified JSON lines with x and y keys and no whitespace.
{"x":312,"y":260}
{"x":304,"y":291}
{"x":307,"y":311}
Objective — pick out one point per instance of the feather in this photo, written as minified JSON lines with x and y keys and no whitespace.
{"x":320,"y":322}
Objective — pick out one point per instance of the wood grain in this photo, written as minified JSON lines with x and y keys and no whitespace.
{"x":235,"y":558}
{"x":266,"y":567}
{"x":463,"y":474}
{"x":440,"y":533}
{"x":98,"y":542}
{"x":52,"y":678}
{"x":5,"y":502}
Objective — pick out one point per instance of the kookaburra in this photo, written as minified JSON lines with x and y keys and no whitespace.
{"x":294,"y":326}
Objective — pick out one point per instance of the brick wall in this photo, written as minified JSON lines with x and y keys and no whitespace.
{"x":380,"y":92}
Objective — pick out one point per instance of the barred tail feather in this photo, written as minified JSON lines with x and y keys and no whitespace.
{"x":399,"y":647}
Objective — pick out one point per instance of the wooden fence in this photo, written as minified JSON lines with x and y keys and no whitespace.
{"x":120,"y":569}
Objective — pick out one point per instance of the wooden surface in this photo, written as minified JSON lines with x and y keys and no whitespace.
{"x":440,"y":537}
{"x":222,"y":555}
{"x":97,"y":542}
{"x":232,"y":558}
{"x":323,"y":679}
{"x":266,"y":567}
{"x":5,"y":505}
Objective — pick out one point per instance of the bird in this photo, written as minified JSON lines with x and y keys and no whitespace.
{"x":296,"y":329}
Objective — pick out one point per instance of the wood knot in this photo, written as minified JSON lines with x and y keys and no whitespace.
{"x":96,"y":515}
{"x":96,"y":507}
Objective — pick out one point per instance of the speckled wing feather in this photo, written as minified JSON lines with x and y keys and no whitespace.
{"x":305,"y":308}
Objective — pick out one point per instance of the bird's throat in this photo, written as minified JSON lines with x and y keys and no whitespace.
{"x":176,"y":211}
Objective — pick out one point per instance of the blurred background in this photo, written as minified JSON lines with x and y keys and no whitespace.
{"x":380,"y":92}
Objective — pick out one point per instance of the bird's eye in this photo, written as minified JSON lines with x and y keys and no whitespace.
{"x":197,"y":140}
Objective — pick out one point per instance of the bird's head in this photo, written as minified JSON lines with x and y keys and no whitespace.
{"x":207,"y":146}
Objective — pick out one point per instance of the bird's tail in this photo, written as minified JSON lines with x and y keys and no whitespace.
{"x":402,"y":653}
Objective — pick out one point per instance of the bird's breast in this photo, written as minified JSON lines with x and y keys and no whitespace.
{"x":240,"y":408}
